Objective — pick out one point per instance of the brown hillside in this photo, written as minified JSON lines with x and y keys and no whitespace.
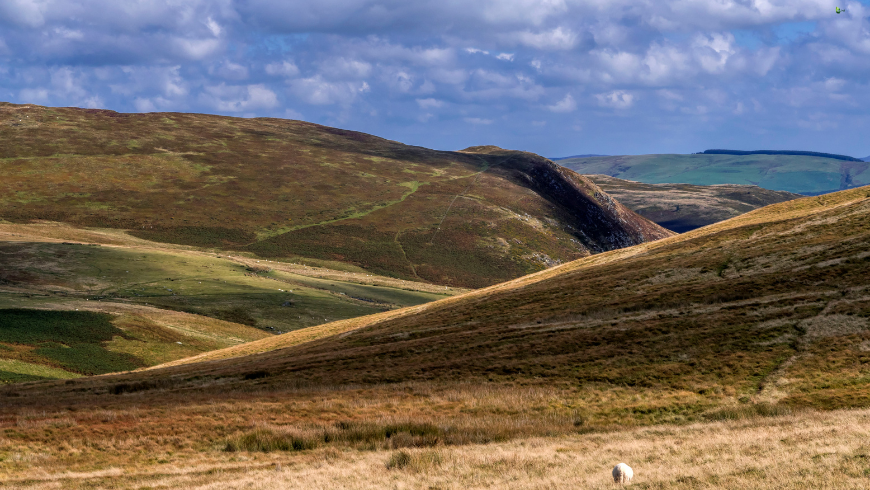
{"x":772,"y":304}
{"x":283,"y":188}
{"x":764,"y":315}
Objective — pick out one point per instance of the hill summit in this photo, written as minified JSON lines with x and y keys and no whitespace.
{"x":289,"y":189}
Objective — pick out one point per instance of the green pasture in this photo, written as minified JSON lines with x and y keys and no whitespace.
{"x":206,"y":285}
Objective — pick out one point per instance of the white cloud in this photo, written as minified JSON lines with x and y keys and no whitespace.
{"x":429,"y":103}
{"x":565,"y":105}
{"x":27,"y":13}
{"x":342,"y":68}
{"x":714,"y":50}
{"x":284,"y":68}
{"x":477,"y":121}
{"x":558,"y":38}
{"x":213,"y":27}
{"x":617,"y":99}
{"x":318,"y":91}
{"x":232,"y":98}
{"x":231,"y":71}
{"x":475,"y":51}
{"x":197,"y":49}
{"x":505,"y":56}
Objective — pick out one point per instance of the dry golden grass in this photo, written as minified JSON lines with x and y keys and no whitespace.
{"x":804,"y":451}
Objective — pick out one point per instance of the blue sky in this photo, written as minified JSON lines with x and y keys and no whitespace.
{"x":556,"y":77}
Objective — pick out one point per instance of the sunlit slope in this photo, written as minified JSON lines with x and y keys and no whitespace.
{"x":289,"y":189}
{"x":684,"y":207}
{"x":793,"y":173}
{"x":773,"y":305}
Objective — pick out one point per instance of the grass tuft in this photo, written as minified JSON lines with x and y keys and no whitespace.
{"x":750,"y":411}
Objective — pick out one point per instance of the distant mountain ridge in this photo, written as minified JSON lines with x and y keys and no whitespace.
{"x":578,"y":156}
{"x":796,"y":173}
{"x":783,"y":152}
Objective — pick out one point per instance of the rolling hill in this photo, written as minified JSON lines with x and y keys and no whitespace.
{"x":292,"y":190}
{"x":800,"y":174}
{"x":684,"y":207}
{"x":717,"y":314}
{"x":763,"y":315}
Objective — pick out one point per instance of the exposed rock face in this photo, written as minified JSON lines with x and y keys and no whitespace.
{"x":600,"y":222}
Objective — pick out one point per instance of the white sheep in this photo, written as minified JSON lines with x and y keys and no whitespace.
{"x":622,"y":473}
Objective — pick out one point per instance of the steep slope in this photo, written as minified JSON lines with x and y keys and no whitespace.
{"x":684,"y":207}
{"x":808,"y":175}
{"x":282,"y":189}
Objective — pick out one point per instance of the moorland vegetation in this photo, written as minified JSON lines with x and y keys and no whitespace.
{"x":292,"y":190}
{"x":700,"y":359}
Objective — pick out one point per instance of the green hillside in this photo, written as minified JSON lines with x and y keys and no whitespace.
{"x":809,"y":175}
{"x":72,"y":308}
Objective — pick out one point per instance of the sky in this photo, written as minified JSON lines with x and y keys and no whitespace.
{"x":555,"y":77}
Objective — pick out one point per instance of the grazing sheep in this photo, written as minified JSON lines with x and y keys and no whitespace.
{"x":622,"y":473}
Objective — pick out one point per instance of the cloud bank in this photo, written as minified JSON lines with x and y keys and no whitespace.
{"x":552,"y":76}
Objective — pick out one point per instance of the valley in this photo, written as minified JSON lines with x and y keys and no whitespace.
{"x":684,"y":207}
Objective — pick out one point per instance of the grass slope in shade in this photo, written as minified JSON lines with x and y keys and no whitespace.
{"x":793,"y":173}
{"x":71,"y":340}
{"x":286,"y":189}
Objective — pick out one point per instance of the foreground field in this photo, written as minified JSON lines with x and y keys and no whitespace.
{"x":808,"y":450}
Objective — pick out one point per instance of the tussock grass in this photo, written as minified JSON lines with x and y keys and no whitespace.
{"x":751,"y":410}
{"x":808,"y":450}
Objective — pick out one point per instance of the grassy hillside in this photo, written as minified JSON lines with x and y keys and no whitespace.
{"x":290,"y":190}
{"x":734,"y":335}
{"x":793,"y":173}
{"x":100,"y":301}
{"x":684,"y":207}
